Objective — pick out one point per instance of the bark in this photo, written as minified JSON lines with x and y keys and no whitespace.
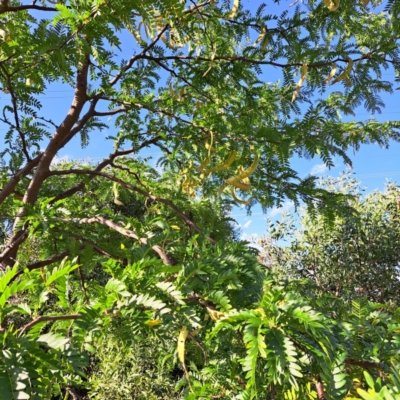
{"x":58,"y":140}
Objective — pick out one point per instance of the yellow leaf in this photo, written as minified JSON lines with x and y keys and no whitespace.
{"x":122,"y":246}
{"x":176,"y":227}
{"x":153,"y":322}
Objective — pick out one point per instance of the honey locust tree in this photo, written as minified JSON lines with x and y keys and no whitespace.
{"x":147,"y":253}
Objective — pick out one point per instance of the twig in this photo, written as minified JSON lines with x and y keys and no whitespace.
{"x":320,"y":389}
{"x":199,"y":346}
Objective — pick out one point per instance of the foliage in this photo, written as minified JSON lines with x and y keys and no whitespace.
{"x":357,"y":256}
{"x":123,"y":256}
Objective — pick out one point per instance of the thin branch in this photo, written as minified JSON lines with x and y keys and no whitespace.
{"x":11,"y":249}
{"x":95,"y":247}
{"x":197,"y":343}
{"x":13,"y":182}
{"x":112,"y":112}
{"x":73,"y":393}
{"x":248,"y":60}
{"x":150,"y":196}
{"x":49,"y":121}
{"x":48,"y":261}
{"x":137,"y":57}
{"x":6,"y":8}
{"x":38,"y":320}
{"x":125,"y":232}
{"x":364,"y":364}
{"x":15,"y":111}
{"x":102,"y":165}
{"x":141,"y":106}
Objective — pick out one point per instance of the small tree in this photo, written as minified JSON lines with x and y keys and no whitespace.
{"x":358,"y":256}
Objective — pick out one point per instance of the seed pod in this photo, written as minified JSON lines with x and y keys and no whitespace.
{"x":331,"y":74}
{"x":209,"y":146}
{"x":261,"y":36}
{"x":203,"y":165}
{"x":246,"y":173}
{"x":181,"y":344}
{"x":234,"y":10}
{"x":145,"y":30}
{"x":332,"y":5}
{"x":237,"y":198}
{"x":265,"y":43}
{"x":224,"y":165}
{"x":246,"y":181}
{"x":116,"y":195}
{"x":304,"y":69}
{"x":215,"y":314}
{"x":242,"y":186}
{"x":221,"y":189}
{"x":346,"y":74}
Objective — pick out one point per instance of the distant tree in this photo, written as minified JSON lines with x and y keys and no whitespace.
{"x":357,"y":256}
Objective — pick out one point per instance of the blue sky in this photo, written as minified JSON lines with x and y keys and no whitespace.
{"x":372,"y":165}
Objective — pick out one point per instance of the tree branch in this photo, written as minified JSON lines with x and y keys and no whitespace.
{"x":150,"y":196}
{"x":48,"y":261}
{"x":102,"y":165}
{"x":96,"y":247}
{"x":137,"y":57}
{"x":6,"y":8}
{"x":38,"y":320}
{"x":125,"y":232}
{"x":364,"y":364}
{"x":15,"y":111}
{"x":320,"y":389}
{"x":13,"y":182}
{"x":58,"y":140}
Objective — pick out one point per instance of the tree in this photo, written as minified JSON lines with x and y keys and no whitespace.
{"x":358,"y":256}
{"x":116,"y":248}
